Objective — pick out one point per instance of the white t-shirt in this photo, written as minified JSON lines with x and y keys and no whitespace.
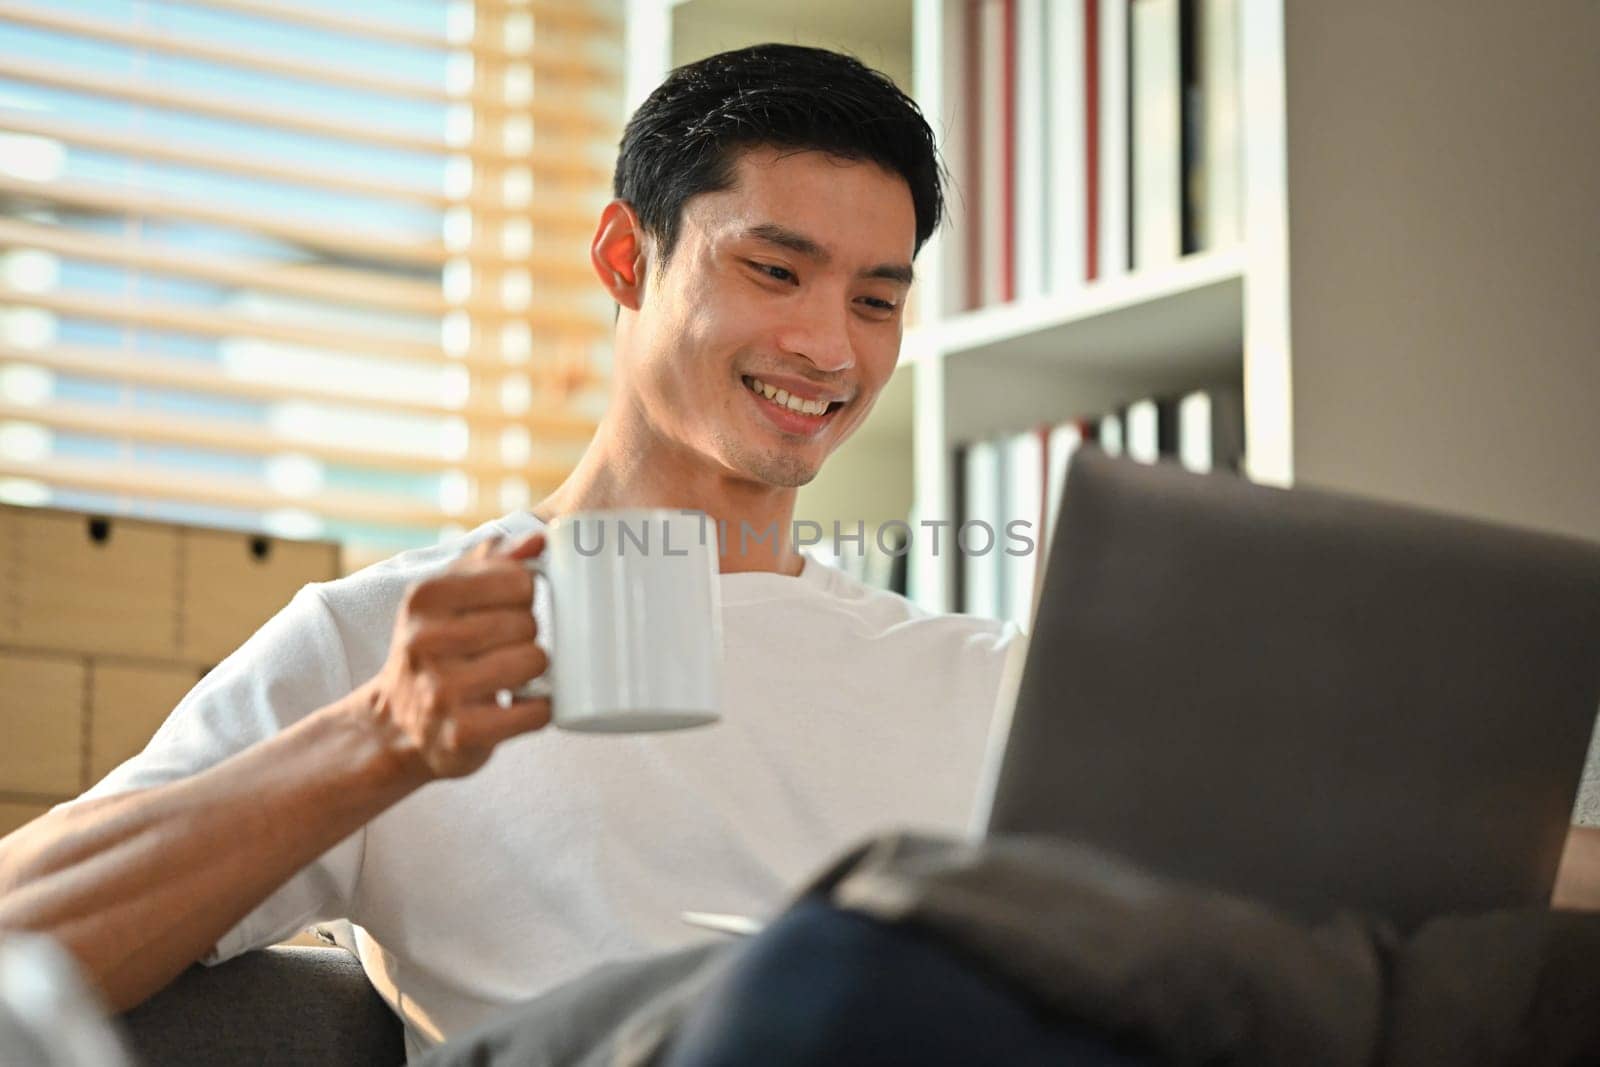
{"x":846,"y":711}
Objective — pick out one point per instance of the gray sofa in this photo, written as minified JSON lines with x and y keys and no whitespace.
{"x":304,"y":1006}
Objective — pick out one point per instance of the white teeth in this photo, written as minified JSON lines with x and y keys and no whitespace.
{"x":783,"y":399}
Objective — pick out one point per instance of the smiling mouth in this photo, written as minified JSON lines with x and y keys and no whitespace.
{"x":780,"y":398}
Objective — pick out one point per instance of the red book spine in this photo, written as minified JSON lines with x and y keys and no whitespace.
{"x":1091,"y":127}
{"x":973,"y":165}
{"x":1008,"y":247}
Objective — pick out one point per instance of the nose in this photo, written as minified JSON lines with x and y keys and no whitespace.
{"x":819,"y":332}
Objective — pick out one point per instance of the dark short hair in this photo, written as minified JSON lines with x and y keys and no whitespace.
{"x":686,"y":138}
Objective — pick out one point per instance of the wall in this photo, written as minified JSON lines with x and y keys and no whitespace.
{"x":877,"y":32}
{"x":1444,"y":206}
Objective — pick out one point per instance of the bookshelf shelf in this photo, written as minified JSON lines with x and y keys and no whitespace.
{"x":1185,"y":318}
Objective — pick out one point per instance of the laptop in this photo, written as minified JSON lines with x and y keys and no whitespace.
{"x":1320,"y":701}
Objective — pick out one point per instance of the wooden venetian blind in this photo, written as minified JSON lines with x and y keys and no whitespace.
{"x":315,"y":269}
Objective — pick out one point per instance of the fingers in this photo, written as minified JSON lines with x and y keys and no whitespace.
{"x":483,"y":726}
{"x":461,"y":637}
{"x":508,"y":667}
{"x":490,"y":575}
{"x":467,"y":635}
{"x":473,"y":585}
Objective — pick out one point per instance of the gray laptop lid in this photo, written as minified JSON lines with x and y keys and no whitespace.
{"x":1314,"y":699}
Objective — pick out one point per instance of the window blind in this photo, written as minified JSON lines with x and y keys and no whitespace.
{"x":321,"y":272}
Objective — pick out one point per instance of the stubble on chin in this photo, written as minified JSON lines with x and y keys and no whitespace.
{"x":775,"y":468}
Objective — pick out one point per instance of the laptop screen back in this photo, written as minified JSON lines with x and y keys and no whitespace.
{"x":1316,"y":700}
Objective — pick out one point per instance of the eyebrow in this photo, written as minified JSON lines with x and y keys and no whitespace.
{"x":799,"y":243}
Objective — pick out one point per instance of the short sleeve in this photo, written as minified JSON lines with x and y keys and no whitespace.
{"x":294,"y":665}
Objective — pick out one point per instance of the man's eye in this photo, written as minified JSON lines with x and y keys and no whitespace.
{"x":782,"y":274}
{"x":879,"y":305}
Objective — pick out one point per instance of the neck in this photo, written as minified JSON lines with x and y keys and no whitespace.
{"x":623,"y":469}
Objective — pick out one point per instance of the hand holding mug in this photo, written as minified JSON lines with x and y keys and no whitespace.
{"x":461,"y":638}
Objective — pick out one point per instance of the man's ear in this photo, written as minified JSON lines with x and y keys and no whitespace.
{"x":617,"y":253}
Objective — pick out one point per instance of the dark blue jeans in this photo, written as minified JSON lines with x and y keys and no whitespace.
{"x":823,"y":986}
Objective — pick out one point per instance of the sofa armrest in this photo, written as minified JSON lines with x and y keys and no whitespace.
{"x":281,"y":1005}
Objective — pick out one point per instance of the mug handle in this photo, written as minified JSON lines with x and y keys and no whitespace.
{"x":541,"y":686}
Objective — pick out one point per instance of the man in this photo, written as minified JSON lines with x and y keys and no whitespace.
{"x":352,"y":759}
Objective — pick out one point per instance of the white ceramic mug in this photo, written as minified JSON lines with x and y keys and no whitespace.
{"x":636,"y":641}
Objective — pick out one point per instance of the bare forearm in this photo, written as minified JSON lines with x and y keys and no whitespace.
{"x":140,"y":886}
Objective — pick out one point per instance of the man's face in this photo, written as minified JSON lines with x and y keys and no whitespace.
{"x":793,"y":279}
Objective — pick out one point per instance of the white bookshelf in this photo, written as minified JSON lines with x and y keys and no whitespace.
{"x":1206,"y":319}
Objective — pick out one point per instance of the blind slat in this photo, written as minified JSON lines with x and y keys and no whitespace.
{"x":183,"y":319}
{"x":308,"y":280}
{"x":118,"y":87}
{"x":140,"y":146}
{"x":547,"y":63}
{"x":340,"y":240}
{"x":161,"y":428}
{"x":556,"y":13}
{"x":111,"y":365}
{"x":552,"y":13}
{"x":239,"y":58}
{"x":556,"y":167}
{"x":133,"y":480}
{"x":305,"y":280}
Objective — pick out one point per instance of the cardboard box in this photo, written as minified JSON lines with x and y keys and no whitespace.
{"x":8,"y":554}
{"x":127,"y":704}
{"x":42,"y":703}
{"x":234,"y":582}
{"x":92,"y":585}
